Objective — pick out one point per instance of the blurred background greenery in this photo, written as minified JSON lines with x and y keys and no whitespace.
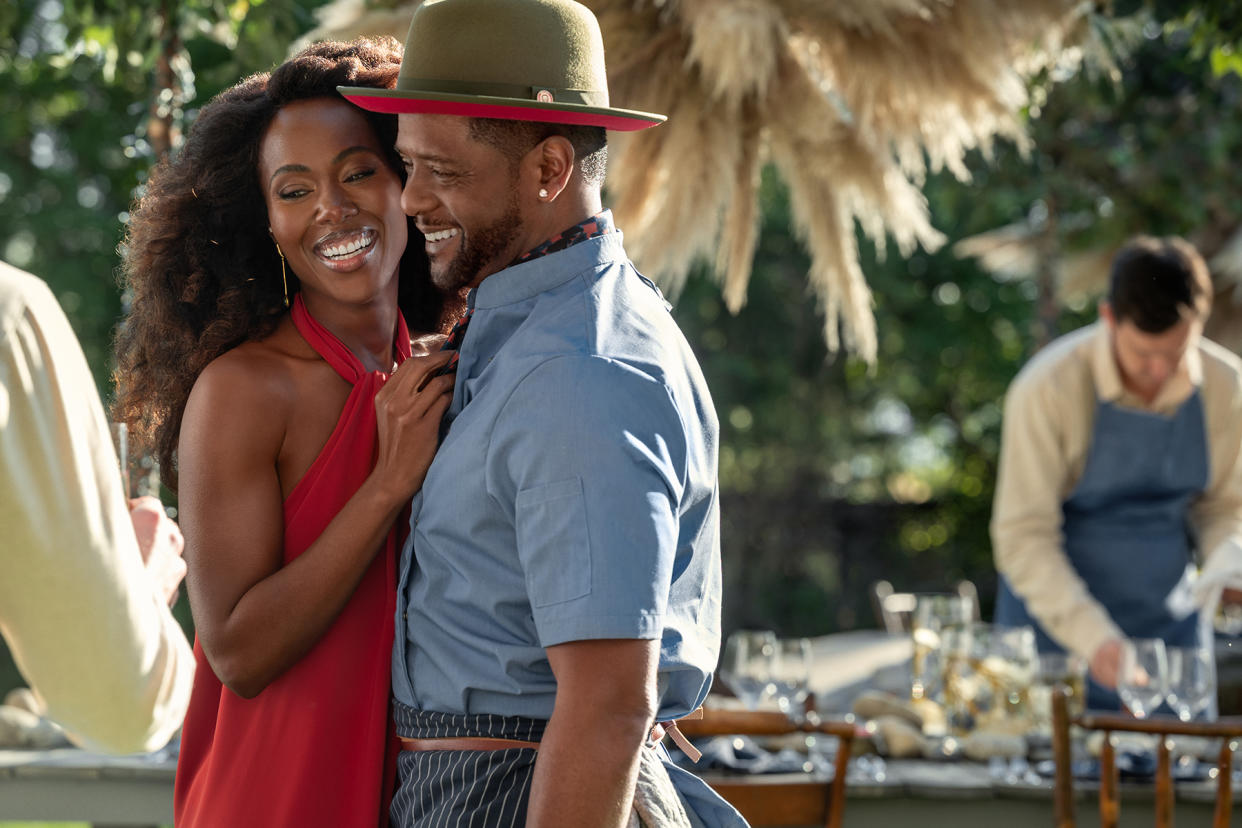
{"x":833,"y":473}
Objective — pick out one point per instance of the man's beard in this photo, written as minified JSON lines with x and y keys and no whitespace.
{"x":480,"y":248}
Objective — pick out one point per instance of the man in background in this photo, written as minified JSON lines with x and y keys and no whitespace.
{"x":1120,"y":458}
{"x":86,"y":581}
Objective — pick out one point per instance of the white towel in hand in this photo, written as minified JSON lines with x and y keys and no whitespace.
{"x":1223,"y":570}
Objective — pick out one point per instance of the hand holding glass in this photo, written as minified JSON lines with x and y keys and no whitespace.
{"x":1143,"y":683}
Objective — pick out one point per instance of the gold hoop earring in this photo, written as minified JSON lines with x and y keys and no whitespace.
{"x":283,"y":279}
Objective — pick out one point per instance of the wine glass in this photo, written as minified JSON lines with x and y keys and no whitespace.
{"x":120,"y":442}
{"x":1010,"y":666}
{"x":1143,"y":682}
{"x":746,"y":665}
{"x":791,"y":675}
{"x":1192,"y":683}
{"x":1068,"y":670}
{"x":140,"y":473}
{"x":934,"y":613}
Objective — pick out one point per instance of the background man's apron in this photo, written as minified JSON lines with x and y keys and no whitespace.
{"x":1125,"y":528}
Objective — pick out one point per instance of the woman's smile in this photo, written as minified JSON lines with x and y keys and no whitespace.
{"x":347,"y":250}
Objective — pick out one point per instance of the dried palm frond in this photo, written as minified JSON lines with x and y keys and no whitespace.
{"x":853,"y":101}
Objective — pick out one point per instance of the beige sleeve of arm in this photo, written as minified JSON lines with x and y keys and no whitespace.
{"x":80,"y":614}
{"x":1217,"y":515}
{"x":1027,"y":540}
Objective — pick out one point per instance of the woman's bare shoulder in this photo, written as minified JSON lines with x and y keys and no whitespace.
{"x":253,"y":381}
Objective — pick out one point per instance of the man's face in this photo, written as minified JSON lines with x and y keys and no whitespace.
{"x":463,"y":195}
{"x":1147,"y":360}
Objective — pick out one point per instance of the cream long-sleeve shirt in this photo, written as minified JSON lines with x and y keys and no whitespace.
{"x":84,"y":620}
{"x":1046,"y":434}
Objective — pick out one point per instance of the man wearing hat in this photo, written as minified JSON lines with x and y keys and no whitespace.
{"x":560,"y":593}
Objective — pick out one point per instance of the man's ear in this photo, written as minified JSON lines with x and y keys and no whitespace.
{"x":1107,"y":315}
{"x":552,"y":161}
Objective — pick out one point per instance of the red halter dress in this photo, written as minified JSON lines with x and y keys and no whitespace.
{"x":316,"y":746}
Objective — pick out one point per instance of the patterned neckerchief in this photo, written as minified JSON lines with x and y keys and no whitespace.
{"x":596,"y":225}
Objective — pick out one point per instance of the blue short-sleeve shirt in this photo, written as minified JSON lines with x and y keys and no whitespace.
{"x":574,"y":496}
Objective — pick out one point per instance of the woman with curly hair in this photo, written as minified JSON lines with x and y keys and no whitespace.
{"x":268,"y":360}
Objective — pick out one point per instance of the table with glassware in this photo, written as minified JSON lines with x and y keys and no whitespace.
{"x":954,"y":719}
{"x":69,"y":784}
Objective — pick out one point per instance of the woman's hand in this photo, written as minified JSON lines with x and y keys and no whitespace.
{"x":408,"y":410}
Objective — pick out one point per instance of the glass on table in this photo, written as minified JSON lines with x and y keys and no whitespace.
{"x":1143,"y":681}
{"x":791,"y":675}
{"x":968,"y":683}
{"x":934,"y":613}
{"x":1068,"y":670}
{"x":1009,"y":666}
{"x":1191,"y":680}
{"x":746,"y":665}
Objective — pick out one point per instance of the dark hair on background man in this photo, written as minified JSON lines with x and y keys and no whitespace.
{"x":516,"y":138}
{"x":1155,"y":283}
{"x":197,"y":257}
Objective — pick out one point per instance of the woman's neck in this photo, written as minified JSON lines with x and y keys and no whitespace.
{"x":366,"y":330}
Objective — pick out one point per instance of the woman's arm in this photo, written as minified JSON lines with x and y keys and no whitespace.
{"x":254,"y":617}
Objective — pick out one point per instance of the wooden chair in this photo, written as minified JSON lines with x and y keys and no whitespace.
{"x":1229,"y":730}
{"x":777,"y":800}
{"x":893,"y":610}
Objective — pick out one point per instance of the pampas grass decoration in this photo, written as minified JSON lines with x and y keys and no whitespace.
{"x":853,"y":101}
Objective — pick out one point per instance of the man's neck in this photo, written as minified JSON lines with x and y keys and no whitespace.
{"x":568,"y":209}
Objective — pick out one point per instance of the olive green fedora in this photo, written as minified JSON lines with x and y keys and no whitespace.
{"x":525,"y":60}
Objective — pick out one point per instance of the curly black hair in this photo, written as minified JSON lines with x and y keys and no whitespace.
{"x":203,"y":272}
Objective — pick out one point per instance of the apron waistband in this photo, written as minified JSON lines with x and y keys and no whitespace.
{"x":465,"y":741}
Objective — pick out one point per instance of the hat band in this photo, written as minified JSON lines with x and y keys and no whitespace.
{"x":543,"y":94}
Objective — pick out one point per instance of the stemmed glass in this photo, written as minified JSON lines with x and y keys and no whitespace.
{"x":140,"y":473}
{"x":791,"y":675}
{"x":746,"y":665}
{"x":1143,"y":682}
{"x":934,"y":613}
{"x":1192,"y":683}
{"x":1010,"y":667}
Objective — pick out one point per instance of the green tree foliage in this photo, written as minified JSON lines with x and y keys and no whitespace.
{"x":93,"y":91}
{"x":834,"y":475}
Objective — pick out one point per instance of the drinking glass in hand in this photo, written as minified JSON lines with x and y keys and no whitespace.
{"x":1143,"y":682}
{"x":1192,"y":680}
{"x":791,"y":675}
{"x":746,"y":665}
{"x":140,"y":473}
{"x":120,"y":442}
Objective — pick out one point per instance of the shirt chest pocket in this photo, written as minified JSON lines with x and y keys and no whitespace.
{"x":553,"y":542}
